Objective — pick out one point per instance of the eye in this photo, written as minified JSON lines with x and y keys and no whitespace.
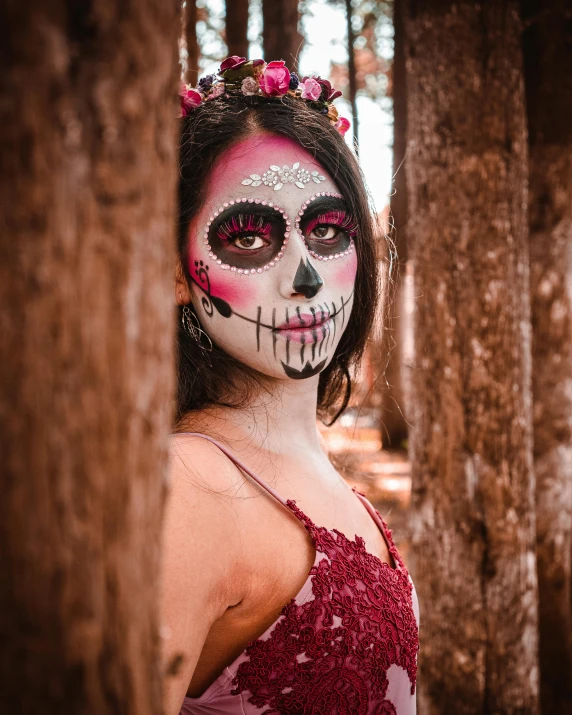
{"x":324,"y":233}
{"x":249,"y":243}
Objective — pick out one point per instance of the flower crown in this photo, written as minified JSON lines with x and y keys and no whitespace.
{"x":256,"y":78}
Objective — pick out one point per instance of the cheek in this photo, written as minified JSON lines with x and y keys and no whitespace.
{"x":345,"y":274}
{"x":237,"y":291}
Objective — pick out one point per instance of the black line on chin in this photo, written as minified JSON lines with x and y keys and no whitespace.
{"x":322,"y":341}
{"x":314,"y":341}
{"x":303,"y":341}
{"x":333,"y":319}
{"x":274,"y":336}
{"x":259,"y":312}
{"x":287,"y":351}
{"x":343,"y":311}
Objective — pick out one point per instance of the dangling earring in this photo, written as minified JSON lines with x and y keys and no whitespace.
{"x":193,"y":328}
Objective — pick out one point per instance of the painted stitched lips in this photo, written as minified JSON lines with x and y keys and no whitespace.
{"x":307,"y":370}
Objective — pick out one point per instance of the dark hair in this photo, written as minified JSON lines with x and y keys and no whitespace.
{"x":206,"y":133}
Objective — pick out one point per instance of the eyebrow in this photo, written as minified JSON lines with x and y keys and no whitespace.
{"x":323,"y":204}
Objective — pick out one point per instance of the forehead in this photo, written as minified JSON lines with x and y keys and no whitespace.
{"x":255,"y":155}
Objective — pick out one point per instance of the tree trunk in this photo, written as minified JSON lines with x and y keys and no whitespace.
{"x":473,"y":484}
{"x":87,"y":200}
{"x":352,"y":77}
{"x":236,"y":27}
{"x":191,"y":41}
{"x":548,"y":71}
{"x":393,"y":424}
{"x":280,"y":37}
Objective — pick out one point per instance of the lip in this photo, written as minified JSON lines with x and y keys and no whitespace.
{"x":305,"y":321}
{"x":305,"y":333}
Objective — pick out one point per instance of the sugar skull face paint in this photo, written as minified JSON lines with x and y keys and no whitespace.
{"x":266,"y":277}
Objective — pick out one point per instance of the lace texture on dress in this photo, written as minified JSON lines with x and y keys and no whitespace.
{"x":330,"y":655}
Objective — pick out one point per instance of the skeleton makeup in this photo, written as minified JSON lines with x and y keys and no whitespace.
{"x":273,"y":284}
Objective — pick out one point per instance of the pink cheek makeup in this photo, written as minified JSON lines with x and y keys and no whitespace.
{"x":226,"y":288}
{"x":345,"y":275}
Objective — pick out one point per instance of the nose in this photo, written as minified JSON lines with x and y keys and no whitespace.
{"x":307,"y":280}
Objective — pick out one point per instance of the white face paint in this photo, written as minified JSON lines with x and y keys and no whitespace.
{"x":273,"y":270}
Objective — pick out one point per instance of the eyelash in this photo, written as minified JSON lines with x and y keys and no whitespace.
{"x":243,"y":225}
{"x":334,"y":218}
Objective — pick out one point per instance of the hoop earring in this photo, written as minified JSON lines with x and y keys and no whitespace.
{"x":192,"y":327}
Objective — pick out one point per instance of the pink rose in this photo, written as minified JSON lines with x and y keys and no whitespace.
{"x":275,"y":79}
{"x":190,"y":99}
{"x":311,"y":89}
{"x":342,"y":125}
{"x":232,"y":63}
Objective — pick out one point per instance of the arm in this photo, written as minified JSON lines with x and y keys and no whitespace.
{"x":199,"y":530}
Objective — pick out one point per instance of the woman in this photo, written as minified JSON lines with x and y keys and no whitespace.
{"x":270,"y":605}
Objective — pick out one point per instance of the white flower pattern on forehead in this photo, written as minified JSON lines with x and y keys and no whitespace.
{"x":277,"y":176}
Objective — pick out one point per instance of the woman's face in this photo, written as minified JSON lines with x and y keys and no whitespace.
{"x":272,"y":258}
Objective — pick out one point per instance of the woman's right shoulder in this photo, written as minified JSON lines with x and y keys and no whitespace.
{"x":198,"y":464}
{"x":202,"y":506}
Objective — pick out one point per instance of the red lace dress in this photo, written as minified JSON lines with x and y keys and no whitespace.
{"x":346,"y":644}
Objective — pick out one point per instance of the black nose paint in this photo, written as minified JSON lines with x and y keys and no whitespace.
{"x":307,"y":280}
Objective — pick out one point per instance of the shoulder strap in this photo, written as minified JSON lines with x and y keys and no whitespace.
{"x":233,"y":458}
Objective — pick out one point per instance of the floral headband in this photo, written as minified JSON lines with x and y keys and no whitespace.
{"x":256,"y":78}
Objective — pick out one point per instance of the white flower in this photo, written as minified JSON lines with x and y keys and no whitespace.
{"x":249,"y":86}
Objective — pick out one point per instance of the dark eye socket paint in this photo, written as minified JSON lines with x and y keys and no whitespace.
{"x":328,"y":216}
{"x":231,"y":232}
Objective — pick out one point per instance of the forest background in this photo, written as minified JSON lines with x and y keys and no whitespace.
{"x":462,"y":426}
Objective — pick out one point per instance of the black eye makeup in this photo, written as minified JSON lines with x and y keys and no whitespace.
{"x":328,"y":228}
{"x":247,"y":235}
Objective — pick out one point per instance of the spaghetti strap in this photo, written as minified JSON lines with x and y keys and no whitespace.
{"x":233,"y":458}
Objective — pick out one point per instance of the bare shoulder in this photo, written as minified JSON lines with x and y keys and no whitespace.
{"x":199,"y":464}
{"x":202,"y":561}
{"x":203,"y":498}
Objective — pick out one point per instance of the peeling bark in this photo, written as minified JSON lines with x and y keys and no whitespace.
{"x":548,"y":66}
{"x":471,"y":442}
{"x":87,"y":203}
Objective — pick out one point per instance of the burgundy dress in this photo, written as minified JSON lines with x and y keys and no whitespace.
{"x":346,"y":644}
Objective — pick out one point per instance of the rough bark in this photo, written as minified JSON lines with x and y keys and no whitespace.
{"x":191,"y":41}
{"x":236,"y":27}
{"x":548,"y":72}
{"x":280,"y":37}
{"x":393,"y":424}
{"x":87,"y":202}
{"x":471,"y":441}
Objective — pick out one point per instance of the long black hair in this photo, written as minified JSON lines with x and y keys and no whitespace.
{"x":217,"y":378}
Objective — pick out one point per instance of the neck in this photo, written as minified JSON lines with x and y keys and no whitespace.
{"x":279,"y":416}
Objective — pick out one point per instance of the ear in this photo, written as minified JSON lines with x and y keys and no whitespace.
{"x":182,"y":290}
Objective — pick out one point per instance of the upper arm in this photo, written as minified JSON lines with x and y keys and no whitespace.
{"x":199,"y":558}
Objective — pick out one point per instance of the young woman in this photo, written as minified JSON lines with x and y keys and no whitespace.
{"x":282,"y":589}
